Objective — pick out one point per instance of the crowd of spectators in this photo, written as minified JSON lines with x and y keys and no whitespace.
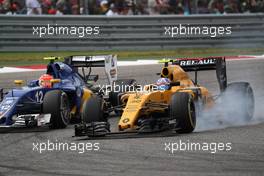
{"x":129,"y":7}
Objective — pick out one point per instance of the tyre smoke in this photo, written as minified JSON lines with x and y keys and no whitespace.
{"x":227,"y":113}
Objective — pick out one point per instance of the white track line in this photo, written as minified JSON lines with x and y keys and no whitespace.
{"x":14,"y":70}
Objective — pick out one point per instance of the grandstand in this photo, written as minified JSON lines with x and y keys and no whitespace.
{"x":129,"y":7}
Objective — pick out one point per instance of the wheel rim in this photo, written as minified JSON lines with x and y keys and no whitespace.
{"x":192,"y":113}
{"x":64,"y":109}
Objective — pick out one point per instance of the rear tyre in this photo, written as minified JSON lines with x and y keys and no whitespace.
{"x":56,"y":103}
{"x":93,"y":110}
{"x":240,"y":97}
{"x":182,"y":108}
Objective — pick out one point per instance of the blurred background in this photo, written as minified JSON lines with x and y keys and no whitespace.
{"x":138,"y":32}
{"x":129,"y":7}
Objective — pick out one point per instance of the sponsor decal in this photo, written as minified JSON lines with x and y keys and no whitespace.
{"x":197,"y":62}
{"x":125,"y":120}
{"x":113,"y":73}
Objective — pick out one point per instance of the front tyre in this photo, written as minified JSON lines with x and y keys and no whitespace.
{"x":182,"y":108}
{"x":93,"y":118}
{"x":57,"y":104}
{"x":93,"y":110}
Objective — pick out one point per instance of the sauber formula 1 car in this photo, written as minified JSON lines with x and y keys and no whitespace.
{"x":55,"y":105}
{"x":174,"y":108}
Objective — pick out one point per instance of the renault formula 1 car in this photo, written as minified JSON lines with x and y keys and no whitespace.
{"x":174,"y":108}
{"x":61,"y":102}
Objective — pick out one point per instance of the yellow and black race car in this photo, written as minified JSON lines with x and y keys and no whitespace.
{"x":170,"y":104}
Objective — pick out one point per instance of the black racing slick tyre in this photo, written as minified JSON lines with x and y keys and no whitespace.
{"x":238,"y":100}
{"x":93,"y":110}
{"x":57,"y":104}
{"x":182,"y":108}
{"x":120,"y":86}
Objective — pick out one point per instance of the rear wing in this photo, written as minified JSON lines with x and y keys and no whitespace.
{"x":109,"y":62}
{"x":208,"y":63}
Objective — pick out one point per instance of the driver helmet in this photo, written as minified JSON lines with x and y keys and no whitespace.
{"x":163,"y":83}
{"x":44,"y":81}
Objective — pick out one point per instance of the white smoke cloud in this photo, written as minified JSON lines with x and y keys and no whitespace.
{"x":228,"y":113}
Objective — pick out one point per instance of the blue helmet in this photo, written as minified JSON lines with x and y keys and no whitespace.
{"x":163,"y":83}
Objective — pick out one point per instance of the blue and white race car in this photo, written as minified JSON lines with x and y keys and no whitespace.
{"x":57,"y":97}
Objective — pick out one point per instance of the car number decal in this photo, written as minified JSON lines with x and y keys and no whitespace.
{"x":39,"y":96}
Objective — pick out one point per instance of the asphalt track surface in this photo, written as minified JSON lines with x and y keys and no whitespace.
{"x":145,"y":156}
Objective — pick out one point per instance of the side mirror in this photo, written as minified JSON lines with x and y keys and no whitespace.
{"x":18,"y":82}
{"x":177,"y":83}
{"x":54,"y":81}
